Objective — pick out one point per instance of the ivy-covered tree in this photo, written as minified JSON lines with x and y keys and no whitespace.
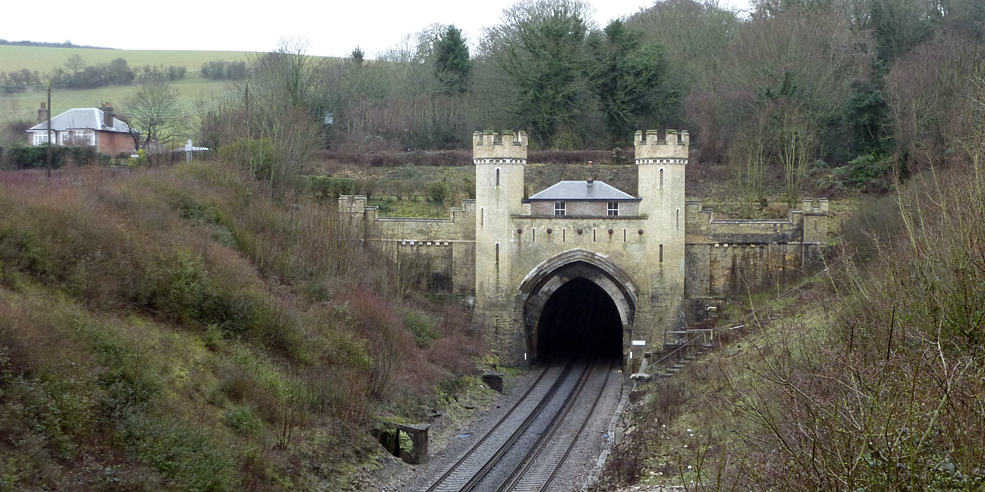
{"x":452,"y":65}
{"x":540,"y":48}
{"x":629,"y":80}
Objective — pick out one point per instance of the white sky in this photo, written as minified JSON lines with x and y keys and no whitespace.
{"x":333,"y":28}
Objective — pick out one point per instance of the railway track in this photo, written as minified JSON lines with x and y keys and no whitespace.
{"x":526,"y":447}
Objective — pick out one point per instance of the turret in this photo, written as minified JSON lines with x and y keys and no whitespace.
{"x":507,"y":148}
{"x":499,"y":162}
{"x":651,"y":147}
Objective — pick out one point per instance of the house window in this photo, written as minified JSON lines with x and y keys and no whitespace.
{"x":559,"y":209}
{"x":613,"y":209}
{"x":40,"y":138}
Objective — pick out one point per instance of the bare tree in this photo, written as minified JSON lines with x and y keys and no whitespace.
{"x":154,"y":110}
{"x":286,"y":107}
{"x":75,"y":63}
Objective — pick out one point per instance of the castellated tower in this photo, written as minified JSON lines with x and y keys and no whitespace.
{"x":499,"y":163}
{"x":660,"y":166}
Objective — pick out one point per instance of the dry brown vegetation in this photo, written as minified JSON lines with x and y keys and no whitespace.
{"x":176,"y":329}
{"x":871,"y":377}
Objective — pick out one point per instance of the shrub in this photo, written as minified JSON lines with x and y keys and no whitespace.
{"x":241,"y":419}
{"x":179,"y":451}
{"x":24,"y":156}
{"x":437,"y":191}
{"x":256,"y":155}
{"x":422,"y":328}
{"x":324,"y":188}
{"x":864,"y":170}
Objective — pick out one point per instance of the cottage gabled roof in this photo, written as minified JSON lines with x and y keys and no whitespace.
{"x":81,"y":118}
{"x":583,"y":191}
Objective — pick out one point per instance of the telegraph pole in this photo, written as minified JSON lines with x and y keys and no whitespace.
{"x":48,"y":161}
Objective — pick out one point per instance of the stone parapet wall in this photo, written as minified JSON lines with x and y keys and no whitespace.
{"x":733,"y":258}
{"x":650,"y":147}
{"x":442,"y":250}
{"x":508,"y":145}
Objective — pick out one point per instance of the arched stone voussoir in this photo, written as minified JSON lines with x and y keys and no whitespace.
{"x":554,"y":272}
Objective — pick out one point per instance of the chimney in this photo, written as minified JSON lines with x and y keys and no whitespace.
{"x":43,"y":113}
{"x":107,"y":114}
{"x":591,"y":173}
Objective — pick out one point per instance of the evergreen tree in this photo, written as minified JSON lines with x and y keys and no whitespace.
{"x":540,"y":48}
{"x":452,"y":65}
{"x":629,"y":80}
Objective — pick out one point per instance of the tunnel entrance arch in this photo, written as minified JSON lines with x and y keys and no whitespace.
{"x":557,"y":274}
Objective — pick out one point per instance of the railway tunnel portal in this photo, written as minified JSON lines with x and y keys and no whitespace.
{"x":583,"y":267}
{"x":577,"y":304}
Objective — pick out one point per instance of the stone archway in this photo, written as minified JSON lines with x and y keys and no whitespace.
{"x":550,"y":275}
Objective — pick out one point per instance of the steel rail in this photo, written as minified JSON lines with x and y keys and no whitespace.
{"x":444,"y":481}
{"x":538,"y":452}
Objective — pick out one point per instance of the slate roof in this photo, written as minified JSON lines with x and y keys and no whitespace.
{"x":582,"y":191}
{"x":79,"y":118}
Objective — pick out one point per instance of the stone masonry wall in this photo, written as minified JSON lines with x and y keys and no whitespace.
{"x":443,"y":249}
{"x":730,"y":259}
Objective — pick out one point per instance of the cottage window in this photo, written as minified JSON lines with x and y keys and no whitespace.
{"x":559,"y":209}
{"x":40,"y":138}
{"x":613,"y":209}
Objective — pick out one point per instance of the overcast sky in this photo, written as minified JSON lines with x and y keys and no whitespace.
{"x":333,"y":28}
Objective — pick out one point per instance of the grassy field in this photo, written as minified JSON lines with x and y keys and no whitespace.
{"x":24,"y":105}
{"x":44,"y":59}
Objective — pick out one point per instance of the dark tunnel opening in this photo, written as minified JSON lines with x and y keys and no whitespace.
{"x":579,"y":320}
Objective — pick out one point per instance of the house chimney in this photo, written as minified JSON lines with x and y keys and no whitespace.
{"x":43,"y":113}
{"x":107,"y":114}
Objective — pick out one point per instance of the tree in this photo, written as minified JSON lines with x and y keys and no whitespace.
{"x":75,"y":63}
{"x":286,"y":106}
{"x":356,"y":56}
{"x":154,"y":110}
{"x":540,"y":48}
{"x":629,"y":80}
{"x":452,"y":65}
{"x":694,"y":36}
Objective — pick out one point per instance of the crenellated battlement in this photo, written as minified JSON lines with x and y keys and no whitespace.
{"x":508,"y":146}
{"x":651,"y":149}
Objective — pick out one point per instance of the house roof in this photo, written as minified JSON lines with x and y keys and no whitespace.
{"x":583,"y":191}
{"x":79,"y":118}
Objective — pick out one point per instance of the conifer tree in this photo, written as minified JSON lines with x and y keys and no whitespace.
{"x":452,"y":65}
